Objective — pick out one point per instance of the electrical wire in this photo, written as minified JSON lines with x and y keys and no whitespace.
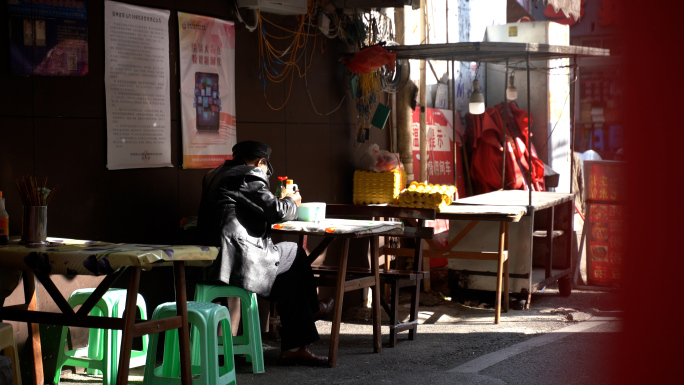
{"x":284,"y":59}
{"x":308,"y":91}
{"x":561,"y":115}
{"x":283,"y":52}
{"x":555,"y":124}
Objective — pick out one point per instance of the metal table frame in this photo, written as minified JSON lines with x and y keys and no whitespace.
{"x":501,"y":52}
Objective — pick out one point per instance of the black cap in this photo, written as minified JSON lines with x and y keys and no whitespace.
{"x":249,"y":148}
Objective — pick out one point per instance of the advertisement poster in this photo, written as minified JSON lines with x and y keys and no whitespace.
{"x":48,"y":37}
{"x":606,"y":219}
{"x":207,"y":65}
{"x":137,"y":86}
{"x":440,"y":146}
{"x":440,"y":164}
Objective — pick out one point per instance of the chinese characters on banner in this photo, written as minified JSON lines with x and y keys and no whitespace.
{"x":207,"y":65}
{"x":440,"y":146}
{"x":48,"y":37}
{"x":137,"y":86}
{"x":440,"y":162}
{"x":606,"y":216}
{"x":605,"y":181}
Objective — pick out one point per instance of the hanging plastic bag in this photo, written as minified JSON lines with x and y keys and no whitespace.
{"x":370,"y":59}
{"x":374,"y":159}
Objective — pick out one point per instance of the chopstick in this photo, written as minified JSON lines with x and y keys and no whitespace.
{"x":33,"y":195}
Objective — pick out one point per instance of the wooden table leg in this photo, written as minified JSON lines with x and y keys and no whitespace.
{"x":339,"y":296}
{"x":128,"y":331}
{"x":499,"y":273}
{"x":183,"y":332}
{"x":506,"y":289}
{"x":377,"y":336}
{"x":569,"y":232}
{"x":33,"y":329}
{"x":548,"y":272}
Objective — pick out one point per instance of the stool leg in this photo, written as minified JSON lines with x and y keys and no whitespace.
{"x":61,"y":356}
{"x":171,"y":351}
{"x":151,"y":371}
{"x":200,"y":296}
{"x":209,"y":352}
{"x":228,"y":368}
{"x":250,"y":313}
{"x":138,"y":357}
{"x":96,"y":339}
{"x":170,"y":367}
{"x":393,"y":316}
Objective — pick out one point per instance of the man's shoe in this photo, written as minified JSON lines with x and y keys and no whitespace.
{"x":325,"y":307}
{"x":302,"y":357}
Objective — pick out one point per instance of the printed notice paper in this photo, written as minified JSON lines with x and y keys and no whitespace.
{"x":207,"y":64}
{"x":137,"y":86}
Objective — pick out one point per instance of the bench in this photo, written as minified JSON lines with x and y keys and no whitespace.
{"x":415,"y":230}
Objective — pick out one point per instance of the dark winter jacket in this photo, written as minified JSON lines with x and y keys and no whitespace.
{"x":236,"y":214}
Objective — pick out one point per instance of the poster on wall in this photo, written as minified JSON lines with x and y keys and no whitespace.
{"x":137,"y":86}
{"x":606,"y":217}
{"x":207,"y":64}
{"x":440,"y":165}
{"x":48,"y":37}
{"x":440,"y":145}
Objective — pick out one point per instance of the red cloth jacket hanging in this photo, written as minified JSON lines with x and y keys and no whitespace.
{"x":519,"y":127}
{"x":485,"y":134}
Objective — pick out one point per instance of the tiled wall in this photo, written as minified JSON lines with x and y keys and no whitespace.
{"x":55,"y":127}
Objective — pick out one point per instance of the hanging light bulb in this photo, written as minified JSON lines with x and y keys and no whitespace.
{"x":511,"y":91}
{"x":476,"y":104}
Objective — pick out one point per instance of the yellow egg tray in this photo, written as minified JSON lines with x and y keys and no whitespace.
{"x":377,"y":187}
{"x":426,"y":195}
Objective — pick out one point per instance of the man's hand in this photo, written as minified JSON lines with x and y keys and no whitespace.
{"x":297,"y":198}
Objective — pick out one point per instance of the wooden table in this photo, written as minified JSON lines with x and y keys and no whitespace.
{"x":414,"y":220}
{"x":346,"y":230}
{"x":502,"y":214}
{"x":506,"y":207}
{"x":71,"y":257}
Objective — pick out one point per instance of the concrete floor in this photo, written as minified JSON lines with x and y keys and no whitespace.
{"x":556,"y":341}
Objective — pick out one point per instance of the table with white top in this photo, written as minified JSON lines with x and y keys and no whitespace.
{"x":505,"y":235}
{"x":345,"y":230}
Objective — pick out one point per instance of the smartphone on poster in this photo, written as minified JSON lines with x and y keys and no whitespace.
{"x":207,"y":101}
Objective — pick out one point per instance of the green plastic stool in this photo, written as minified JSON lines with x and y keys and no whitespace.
{"x":205,"y":317}
{"x":249,"y":342}
{"x":101,"y":356}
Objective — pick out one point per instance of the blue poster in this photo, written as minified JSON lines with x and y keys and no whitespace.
{"x":48,"y":37}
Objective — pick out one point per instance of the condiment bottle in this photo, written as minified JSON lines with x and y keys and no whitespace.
{"x":289,"y":186}
{"x":4,"y":222}
{"x":280,"y":187}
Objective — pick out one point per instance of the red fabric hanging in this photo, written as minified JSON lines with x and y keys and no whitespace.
{"x":370,"y":59}
{"x":484,"y":136}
